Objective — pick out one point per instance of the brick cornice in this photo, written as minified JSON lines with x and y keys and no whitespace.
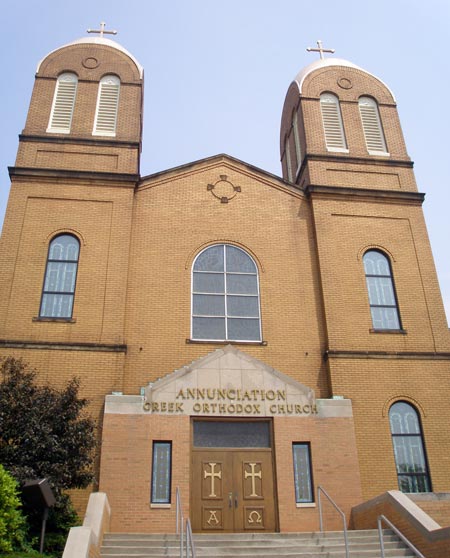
{"x":65,"y":140}
{"x":16,"y":172}
{"x":345,"y":158}
{"x":395,"y":195}
{"x":397,"y":355}
{"x":61,"y":346}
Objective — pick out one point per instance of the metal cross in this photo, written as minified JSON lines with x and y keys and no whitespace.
{"x":253,"y":476}
{"x":212,"y":475}
{"x":320,"y":49}
{"x":102,"y":31}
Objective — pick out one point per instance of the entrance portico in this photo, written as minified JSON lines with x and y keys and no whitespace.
{"x":246,"y":445}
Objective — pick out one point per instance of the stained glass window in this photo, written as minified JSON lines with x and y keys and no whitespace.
{"x":409,"y":451}
{"x":229,"y":434}
{"x":60,"y":277}
{"x":302,"y":473}
{"x":161,"y":472}
{"x":225,"y":295}
{"x":380,"y":287}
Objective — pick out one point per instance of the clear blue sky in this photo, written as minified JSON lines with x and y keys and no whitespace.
{"x":216,"y":73}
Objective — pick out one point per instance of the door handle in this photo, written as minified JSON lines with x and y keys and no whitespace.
{"x":236,"y":500}
{"x":230,"y":499}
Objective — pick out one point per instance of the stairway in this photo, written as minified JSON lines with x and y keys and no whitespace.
{"x":362,"y":544}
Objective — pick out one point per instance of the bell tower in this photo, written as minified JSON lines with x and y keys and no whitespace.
{"x":85,"y":113}
{"x":340,"y":128}
{"x":71,"y":198}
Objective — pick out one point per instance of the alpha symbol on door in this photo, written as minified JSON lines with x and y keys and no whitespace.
{"x":253,"y":475}
{"x":213,"y":518}
{"x":213,"y":475}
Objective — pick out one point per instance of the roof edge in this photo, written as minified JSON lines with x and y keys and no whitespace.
{"x":326,"y":62}
{"x":97,"y":41}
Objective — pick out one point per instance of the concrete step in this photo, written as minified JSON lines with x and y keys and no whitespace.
{"x":362,"y":544}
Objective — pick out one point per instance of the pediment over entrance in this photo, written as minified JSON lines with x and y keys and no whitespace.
{"x":228,"y":382}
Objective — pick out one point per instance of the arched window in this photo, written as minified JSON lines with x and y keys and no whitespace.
{"x":298,"y":152}
{"x":371,"y":123}
{"x":332,"y":123}
{"x":287,"y":151}
{"x":60,"y":277}
{"x":63,"y":104}
{"x":107,"y":104}
{"x":225,"y":295}
{"x":409,"y":451}
{"x":380,"y":287}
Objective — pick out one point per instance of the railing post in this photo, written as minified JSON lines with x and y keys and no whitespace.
{"x":381,"y":537}
{"x":319,"y":501}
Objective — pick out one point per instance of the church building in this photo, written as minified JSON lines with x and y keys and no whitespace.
{"x":242,"y":336}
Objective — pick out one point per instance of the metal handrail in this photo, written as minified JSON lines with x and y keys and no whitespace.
{"x":180,"y":521}
{"x":338,"y":509}
{"x":382,"y":518}
{"x":189,"y":539}
{"x":184,"y":530}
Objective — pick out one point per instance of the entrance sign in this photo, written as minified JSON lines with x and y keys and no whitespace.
{"x":228,"y":382}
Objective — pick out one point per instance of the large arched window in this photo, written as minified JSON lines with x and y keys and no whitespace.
{"x":371,"y":123}
{"x":332,"y":123}
{"x":107,"y":104}
{"x":380,"y":287}
{"x":60,"y":277}
{"x":409,"y":451}
{"x":225,"y":295}
{"x":63,"y":104}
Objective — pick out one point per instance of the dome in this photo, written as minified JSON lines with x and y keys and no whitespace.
{"x":326,"y":62}
{"x":97,"y":41}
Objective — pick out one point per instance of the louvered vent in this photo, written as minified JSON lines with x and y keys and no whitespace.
{"x":332,"y":123}
{"x":371,"y":123}
{"x":63,"y":104}
{"x":107,"y":104}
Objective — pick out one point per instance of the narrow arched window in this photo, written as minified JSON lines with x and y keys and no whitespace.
{"x":107,"y":104}
{"x":63,"y":104}
{"x":380,"y":287}
{"x":287,"y":151}
{"x":298,"y":152}
{"x":371,"y":123}
{"x":60,"y":277}
{"x":332,"y":123}
{"x":409,"y":450}
{"x":225,"y":295}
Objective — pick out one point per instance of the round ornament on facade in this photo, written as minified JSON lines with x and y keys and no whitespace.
{"x":91,"y":63}
{"x":223,"y":189}
{"x":344,"y":83}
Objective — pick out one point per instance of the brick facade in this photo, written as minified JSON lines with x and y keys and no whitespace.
{"x":139,"y":237}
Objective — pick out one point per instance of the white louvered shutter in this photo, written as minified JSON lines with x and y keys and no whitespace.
{"x":332,"y":123}
{"x":107,"y":105}
{"x":63,"y":104}
{"x":371,"y":124}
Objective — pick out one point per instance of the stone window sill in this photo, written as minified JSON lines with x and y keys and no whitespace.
{"x":46,"y":319}
{"x":391,"y":331}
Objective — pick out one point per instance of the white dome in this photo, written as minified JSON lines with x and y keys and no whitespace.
{"x":97,"y":41}
{"x":323,"y":63}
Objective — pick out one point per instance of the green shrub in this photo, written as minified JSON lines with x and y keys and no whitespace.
{"x":12,"y":522}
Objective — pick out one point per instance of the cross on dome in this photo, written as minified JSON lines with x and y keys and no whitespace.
{"x":102,"y":30}
{"x":320,"y":49}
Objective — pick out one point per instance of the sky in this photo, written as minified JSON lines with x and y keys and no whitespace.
{"x":217,"y":72}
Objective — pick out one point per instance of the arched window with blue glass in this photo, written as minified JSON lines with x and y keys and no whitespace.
{"x":60,"y":277}
{"x":381,"y":291}
{"x":225,"y":295}
{"x":409,"y":448}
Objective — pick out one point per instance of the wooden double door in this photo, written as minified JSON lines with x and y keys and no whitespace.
{"x":232,"y":490}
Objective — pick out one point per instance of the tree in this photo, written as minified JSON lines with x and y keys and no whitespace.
{"x":12,"y":522}
{"x":45,"y":433}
